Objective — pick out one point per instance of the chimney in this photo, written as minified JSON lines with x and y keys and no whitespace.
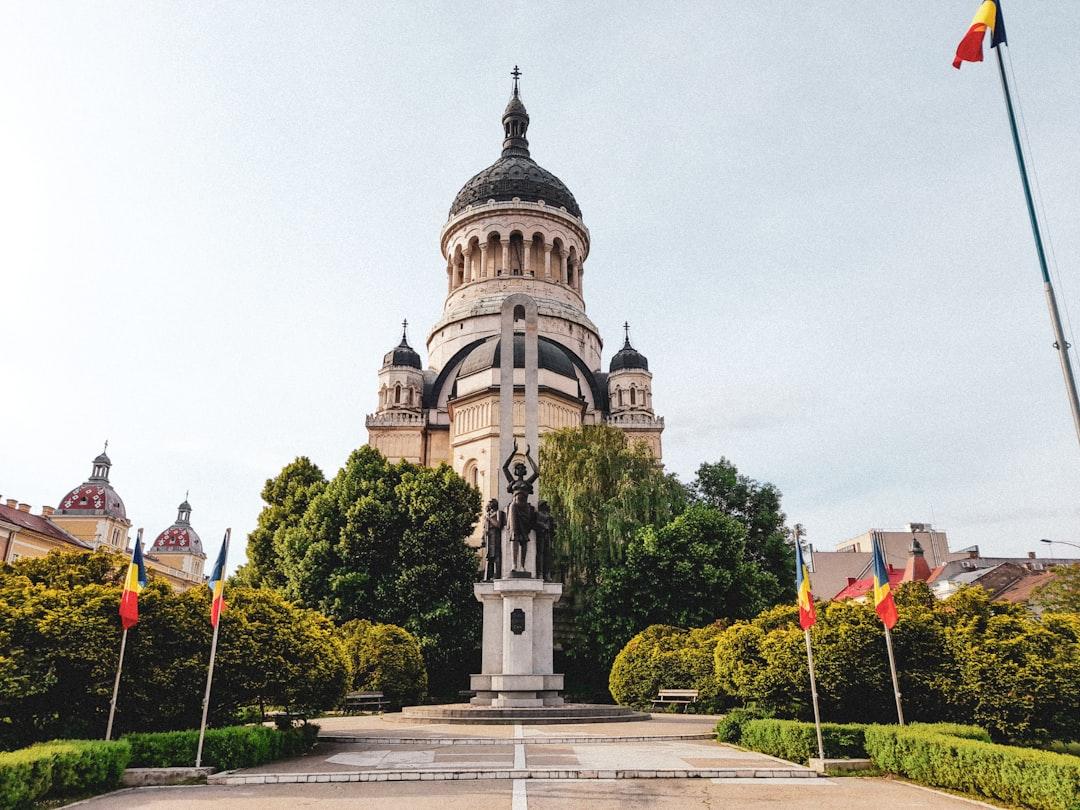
{"x":973,"y":554}
{"x":12,"y":503}
{"x":46,"y":511}
{"x":851,"y":580}
{"x":24,"y":507}
{"x":916,"y":569}
{"x":1031,"y":555}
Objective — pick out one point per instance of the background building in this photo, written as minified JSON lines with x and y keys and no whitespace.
{"x":513,"y":228}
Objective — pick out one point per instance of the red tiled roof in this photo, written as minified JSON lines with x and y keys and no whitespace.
{"x":861,"y":587}
{"x":39,"y":524}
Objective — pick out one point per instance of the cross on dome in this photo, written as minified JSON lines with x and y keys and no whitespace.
{"x":517,"y":75}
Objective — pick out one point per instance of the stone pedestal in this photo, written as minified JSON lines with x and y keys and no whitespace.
{"x":517,"y":654}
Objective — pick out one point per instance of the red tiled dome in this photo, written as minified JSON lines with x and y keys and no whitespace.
{"x":179,"y":538}
{"x":95,"y":496}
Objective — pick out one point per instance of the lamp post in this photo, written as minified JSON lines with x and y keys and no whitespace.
{"x":1062,"y":542}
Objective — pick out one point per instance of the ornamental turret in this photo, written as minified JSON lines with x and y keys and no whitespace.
{"x":401,"y":378}
{"x":179,"y":547}
{"x":94,"y":511}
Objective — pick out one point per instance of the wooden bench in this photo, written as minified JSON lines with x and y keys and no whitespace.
{"x":284,"y":720}
{"x":675,"y":697}
{"x":365,"y":701}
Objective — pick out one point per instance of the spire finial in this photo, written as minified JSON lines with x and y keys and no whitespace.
{"x":517,"y":75}
{"x":626,"y":330}
{"x":404,"y":329}
{"x":106,"y":450}
{"x":187,"y":494}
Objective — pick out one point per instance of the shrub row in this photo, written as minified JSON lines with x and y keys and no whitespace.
{"x":60,"y":768}
{"x":797,"y":741}
{"x":1019,"y":776}
{"x":224,"y":748}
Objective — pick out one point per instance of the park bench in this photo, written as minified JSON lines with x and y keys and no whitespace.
{"x":365,"y":701}
{"x":675,"y":697}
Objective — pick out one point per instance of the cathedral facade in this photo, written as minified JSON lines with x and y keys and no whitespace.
{"x":513,"y":228}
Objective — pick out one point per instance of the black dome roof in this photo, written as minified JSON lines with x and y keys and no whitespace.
{"x":628,"y":357}
{"x":488,"y":355}
{"x":403,"y":354}
{"x":515,"y":174}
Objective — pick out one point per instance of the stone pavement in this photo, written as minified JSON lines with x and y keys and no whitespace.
{"x":667,"y":794}
{"x":380,"y":749}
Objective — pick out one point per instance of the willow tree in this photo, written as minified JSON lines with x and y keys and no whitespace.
{"x":601,"y":489}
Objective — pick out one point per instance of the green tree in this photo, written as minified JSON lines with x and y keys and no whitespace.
{"x":1062,"y":593}
{"x":756,"y":506}
{"x":601,"y":489}
{"x":60,"y":646}
{"x":386,"y":542}
{"x":664,"y":657}
{"x":701,"y":557}
{"x":386,"y":658}
{"x":286,"y":497}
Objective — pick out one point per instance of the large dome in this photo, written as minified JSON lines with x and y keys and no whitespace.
{"x":179,"y":538}
{"x":515,"y":176}
{"x":488,"y":355}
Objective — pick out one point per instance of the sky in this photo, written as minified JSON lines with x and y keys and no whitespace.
{"x":214,"y":216}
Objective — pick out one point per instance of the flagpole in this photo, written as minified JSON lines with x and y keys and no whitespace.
{"x":116,"y":686}
{"x":895,"y":682}
{"x":209,"y":673}
{"x":1051,"y":300}
{"x":813,"y":695}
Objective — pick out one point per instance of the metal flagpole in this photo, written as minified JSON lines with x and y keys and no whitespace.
{"x":895,"y":682}
{"x":116,"y":686}
{"x":210,"y":672}
{"x":813,"y":694}
{"x":1051,"y":300}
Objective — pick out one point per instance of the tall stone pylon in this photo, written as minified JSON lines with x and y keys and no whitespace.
{"x":518,"y":659}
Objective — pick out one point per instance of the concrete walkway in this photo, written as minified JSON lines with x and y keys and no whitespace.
{"x":668,"y":794}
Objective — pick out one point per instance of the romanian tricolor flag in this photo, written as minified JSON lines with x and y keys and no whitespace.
{"x":884,"y":603}
{"x":807,"y":613}
{"x":987,"y":17}
{"x":134,"y":582}
{"x":217,"y":583}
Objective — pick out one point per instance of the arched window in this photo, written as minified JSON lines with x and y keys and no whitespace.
{"x":471,"y":472}
{"x":633,"y":395}
{"x":397,"y":394}
{"x":620,"y":397}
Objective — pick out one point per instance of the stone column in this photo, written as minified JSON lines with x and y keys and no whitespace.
{"x":562,"y":268}
{"x":506,"y":256}
{"x":526,"y":256}
{"x":483,"y":259}
{"x":466,"y":264}
{"x":547,"y":261}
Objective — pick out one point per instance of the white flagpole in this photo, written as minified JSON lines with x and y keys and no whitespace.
{"x":895,"y":682}
{"x":120,"y":663}
{"x":116,"y":686}
{"x":210,"y":669}
{"x":813,"y":694}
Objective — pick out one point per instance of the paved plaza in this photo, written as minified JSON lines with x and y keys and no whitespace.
{"x":671,"y":761}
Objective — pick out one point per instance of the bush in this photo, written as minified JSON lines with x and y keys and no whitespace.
{"x":797,"y":742}
{"x":386,"y":658}
{"x":224,"y":748}
{"x":60,"y":768}
{"x":1019,"y":776}
{"x":729,"y":728}
{"x":665,"y":657}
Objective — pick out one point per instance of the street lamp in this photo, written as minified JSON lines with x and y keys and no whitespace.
{"x":1062,"y":542}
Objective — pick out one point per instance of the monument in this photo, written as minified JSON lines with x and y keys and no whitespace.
{"x":517,"y":667}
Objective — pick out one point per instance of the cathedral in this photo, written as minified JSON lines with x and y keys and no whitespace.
{"x":513,"y":228}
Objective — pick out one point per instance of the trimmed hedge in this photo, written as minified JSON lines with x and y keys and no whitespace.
{"x":1020,"y":776}
{"x":729,"y":727}
{"x":797,"y":741}
{"x":60,"y":768}
{"x":224,"y":748}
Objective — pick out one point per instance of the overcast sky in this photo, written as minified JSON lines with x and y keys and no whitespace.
{"x":213,"y":217}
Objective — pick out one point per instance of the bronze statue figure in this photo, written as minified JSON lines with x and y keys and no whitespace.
{"x":494,"y":521}
{"x":544,"y":528}
{"x":521,"y":514}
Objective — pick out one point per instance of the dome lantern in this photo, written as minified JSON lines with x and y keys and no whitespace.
{"x":628,"y":357}
{"x":515,"y":122}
